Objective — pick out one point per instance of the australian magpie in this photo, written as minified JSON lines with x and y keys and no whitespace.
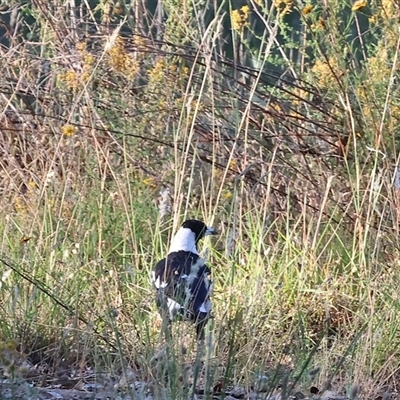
{"x":183,"y":280}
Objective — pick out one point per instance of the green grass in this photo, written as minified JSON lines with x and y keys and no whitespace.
{"x":286,"y":300}
{"x":294,"y":171}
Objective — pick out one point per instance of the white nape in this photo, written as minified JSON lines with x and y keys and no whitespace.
{"x":184,"y":240}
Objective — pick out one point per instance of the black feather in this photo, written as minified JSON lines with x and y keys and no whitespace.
{"x":183,"y":280}
{"x":173,"y":272}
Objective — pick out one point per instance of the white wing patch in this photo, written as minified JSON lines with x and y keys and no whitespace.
{"x":208,"y":283}
{"x":158,"y":283}
{"x":194,"y":270}
{"x":173,"y":307}
{"x":206,"y":307}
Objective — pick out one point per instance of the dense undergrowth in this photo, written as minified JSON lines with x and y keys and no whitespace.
{"x":113,"y":130}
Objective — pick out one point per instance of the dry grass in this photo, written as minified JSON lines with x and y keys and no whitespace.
{"x":297,"y":170}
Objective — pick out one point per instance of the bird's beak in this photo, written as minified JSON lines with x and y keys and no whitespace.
{"x":210,"y":231}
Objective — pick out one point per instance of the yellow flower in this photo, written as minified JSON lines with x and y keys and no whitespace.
{"x":73,"y":78}
{"x":85,"y":76}
{"x":325,"y":72}
{"x":276,"y":107}
{"x":68,"y":130}
{"x":378,"y":66}
{"x":236,"y":20}
{"x":158,"y":71}
{"x":217,"y":173}
{"x":31,"y":187}
{"x":150,"y":181}
{"x":88,"y":59}
{"x":359,"y":4}
{"x":118,"y":9}
{"x":20,"y":205}
{"x":283,"y":6}
{"x":141,"y":43}
{"x":121,"y":61}
{"x":396,"y":111}
{"x":70,"y":78}
{"x":319,"y":25}
{"x":307,"y":9}
{"x":240,"y":18}
{"x":233,"y":164}
{"x":245,"y":10}
{"x":227,"y":194}
{"x":387,"y":6}
{"x":81,"y":47}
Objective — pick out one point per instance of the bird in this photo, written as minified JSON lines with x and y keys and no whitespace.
{"x":182,"y":279}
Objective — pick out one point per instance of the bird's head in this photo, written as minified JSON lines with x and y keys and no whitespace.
{"x":189,"y":234}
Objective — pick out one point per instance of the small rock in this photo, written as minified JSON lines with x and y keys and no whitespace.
{"x":330,"y":395}
{"x":238,"y":392}
{"x":261,"y":384}
{"x":299,"y":396}
{"x":127,"y":377}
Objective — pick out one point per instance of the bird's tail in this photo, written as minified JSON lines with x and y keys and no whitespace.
{"x":201,"y":322}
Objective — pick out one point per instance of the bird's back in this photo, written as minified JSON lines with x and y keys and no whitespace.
{"x":183,"y":279}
